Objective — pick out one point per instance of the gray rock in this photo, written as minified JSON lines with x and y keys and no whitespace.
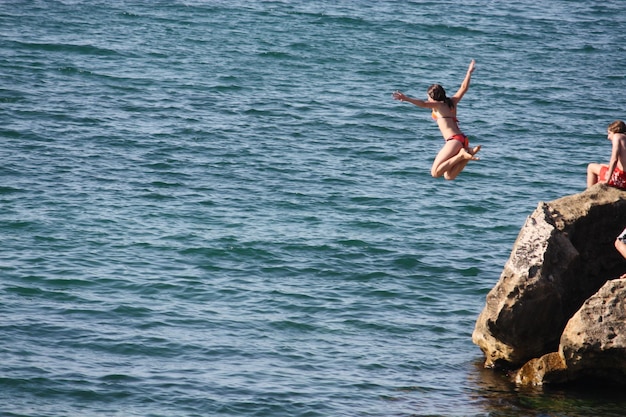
{"x":563,"y":254}
{"x":593,"y":343}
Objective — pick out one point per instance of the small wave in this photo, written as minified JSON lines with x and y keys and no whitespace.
{"x":83,"y":49}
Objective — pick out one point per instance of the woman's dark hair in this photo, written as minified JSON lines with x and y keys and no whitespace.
{"x":437,"y":93}
{"x":617,"y":127}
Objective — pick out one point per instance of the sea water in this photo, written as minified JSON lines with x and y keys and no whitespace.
{"x":215,"y":208}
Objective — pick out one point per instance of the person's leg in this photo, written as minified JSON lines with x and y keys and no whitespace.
{"x":451,"y":155}
{"x":447,"y":156}
{"x":467,"y":155}
{"x":593,"y":173}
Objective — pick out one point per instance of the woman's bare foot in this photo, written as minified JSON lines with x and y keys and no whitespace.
{"x":469,"y":153}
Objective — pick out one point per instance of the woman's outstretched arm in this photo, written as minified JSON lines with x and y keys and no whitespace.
{"x":465,"y":84}
{"x":397,"y":95}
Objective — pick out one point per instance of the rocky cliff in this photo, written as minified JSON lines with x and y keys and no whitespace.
{"x":563,"y":255}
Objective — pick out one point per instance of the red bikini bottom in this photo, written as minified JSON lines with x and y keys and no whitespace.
{"x":461,"y":138}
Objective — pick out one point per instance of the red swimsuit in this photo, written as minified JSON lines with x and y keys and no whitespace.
{"x":461,"y":138}
{"x":618,"y":179}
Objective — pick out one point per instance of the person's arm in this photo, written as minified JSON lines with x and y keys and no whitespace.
{"x":465,"y":84}
{"x":620,"y":245}
{"x":614,"y":155}
{"x":397,"y":95}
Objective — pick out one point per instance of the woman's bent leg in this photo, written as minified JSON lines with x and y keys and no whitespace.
{"x":442,"y":162}
{"x":467,"y":155}
{"x":451,"y":160}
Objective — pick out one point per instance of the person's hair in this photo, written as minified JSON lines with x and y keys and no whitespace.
{"x":437,"y":93}
{"x":617,"y":127}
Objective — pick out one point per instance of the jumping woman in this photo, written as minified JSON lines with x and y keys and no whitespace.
{"x":456,"y":152}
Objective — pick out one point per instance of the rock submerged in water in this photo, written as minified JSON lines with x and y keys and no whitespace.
{"x":552,"y":315}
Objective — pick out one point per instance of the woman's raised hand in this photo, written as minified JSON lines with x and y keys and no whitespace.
{"x":472,"y":66}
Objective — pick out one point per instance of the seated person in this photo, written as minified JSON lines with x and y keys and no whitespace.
{"x":613,"y":173}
